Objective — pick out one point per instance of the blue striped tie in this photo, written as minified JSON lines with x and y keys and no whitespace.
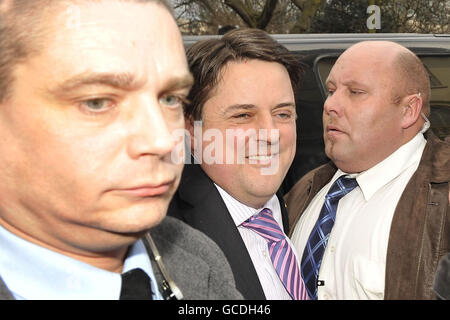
{"x":317,"y":241}
{"x":281,"y":254}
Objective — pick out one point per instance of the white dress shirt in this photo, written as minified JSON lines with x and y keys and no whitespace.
{"x":354,"y":261}
{"x":256,"y":245}
{"x":32,"y":272}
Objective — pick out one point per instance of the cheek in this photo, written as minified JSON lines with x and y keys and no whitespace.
{"x":291,"y":137}
{"x":78,"y":162}
{"x":288,"y":140}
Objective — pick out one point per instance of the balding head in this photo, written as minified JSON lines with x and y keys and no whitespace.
{"x":405,"y":71}
{"x":374,"y":105}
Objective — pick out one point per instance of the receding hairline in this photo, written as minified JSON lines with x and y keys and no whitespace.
{"x":409,"y":75}
{"x":413,"y":77}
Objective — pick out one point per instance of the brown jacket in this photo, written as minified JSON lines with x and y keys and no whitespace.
{"x":420,"y":229}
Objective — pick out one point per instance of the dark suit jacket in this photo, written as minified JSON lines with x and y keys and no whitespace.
{"x":194,"y":262}
{"x":198,"y":203}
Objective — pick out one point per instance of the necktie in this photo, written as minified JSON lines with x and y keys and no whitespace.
{"x":281,"y":254}
{"x":317,"y":241}
{"x":136,"y":286}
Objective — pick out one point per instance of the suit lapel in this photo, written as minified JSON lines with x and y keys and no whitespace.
{"x":284,"y":214}
{"x":207,"y":212}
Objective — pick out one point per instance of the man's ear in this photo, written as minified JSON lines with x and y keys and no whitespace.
{"x":412,"y":107}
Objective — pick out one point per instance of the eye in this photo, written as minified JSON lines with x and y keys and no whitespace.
{"x":242,"y":116}
{"x":356,"y":92}
{"x":285,"y":115}
{"x":173,"y":101}
{"x":330,"y":92}
{"x":97,"y":105}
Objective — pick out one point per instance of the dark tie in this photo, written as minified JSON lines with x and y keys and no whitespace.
{"x":281,"y":254}
{"x":317,"y":241}
{"x":136,"y":286}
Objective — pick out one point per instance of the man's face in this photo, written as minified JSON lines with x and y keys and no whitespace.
{"x":362,"y":126}
{"x":251,"y":95}
{"x":87,"y":135}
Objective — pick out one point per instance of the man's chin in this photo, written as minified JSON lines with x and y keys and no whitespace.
{"x":133,"y":223}
{"x":138,"y":228}
{"x":112,"y":240}
{"x":132,"y":235}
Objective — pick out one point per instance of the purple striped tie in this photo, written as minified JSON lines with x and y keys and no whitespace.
{"x":282,"y":256}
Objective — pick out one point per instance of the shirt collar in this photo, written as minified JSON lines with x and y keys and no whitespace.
{"x":373,"y":179}
{"x":32,"y":272}
{"x":240,"y":212}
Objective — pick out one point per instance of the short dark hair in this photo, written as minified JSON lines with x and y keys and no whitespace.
{"x":21,"y":31}
{"x":206,"y":59}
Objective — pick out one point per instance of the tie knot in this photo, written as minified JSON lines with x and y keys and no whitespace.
{"x":136,"y":285}
{"x":265,"y":225}
{"x":341,"y":187}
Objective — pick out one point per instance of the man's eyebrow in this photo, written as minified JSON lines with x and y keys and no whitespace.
{"x":237,"y":107}
{"x":249,"y":107}
{"x":348,"y":83}
{"x":123,"y":81}
{"x":329,"y":81}
{"x":180,"y":82}
{"x":285,"y":104}
{"x":351,"y":83}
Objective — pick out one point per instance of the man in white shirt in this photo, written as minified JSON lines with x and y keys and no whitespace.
{"x":382,"y":233}
{"x":90,"y":94}
{"x":243,"y":103}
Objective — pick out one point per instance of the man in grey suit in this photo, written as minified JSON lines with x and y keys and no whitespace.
{"x":91,"y":95}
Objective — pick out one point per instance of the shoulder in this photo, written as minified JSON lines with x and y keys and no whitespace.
{"x":175,"y":233}
{"x":440,"y":157}
{"x":435,"y":161}
{"x":305,"y":189}
{"x":195,"y":262}
{"x":318,"y":177}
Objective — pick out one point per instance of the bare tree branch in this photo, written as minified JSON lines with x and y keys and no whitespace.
{"x":267,"y":13}
{"x":298,"y":4}
{"x":308,"y":9}
{"x":246,"y":14}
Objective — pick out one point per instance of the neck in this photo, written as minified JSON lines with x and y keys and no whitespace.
{"x":107,"y":260}
{"x":253,"y":202}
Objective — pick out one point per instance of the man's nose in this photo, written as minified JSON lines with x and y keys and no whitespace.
{"x":333,"y":103}
{"x":151,"y":132}
{"x":267,"y":129}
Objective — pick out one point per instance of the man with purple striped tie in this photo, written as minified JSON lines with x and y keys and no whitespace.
{"x":283,"y":257}
{"x":244,"y":85}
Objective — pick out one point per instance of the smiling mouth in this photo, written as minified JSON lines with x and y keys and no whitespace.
{"x":262,"y":160}
{"x":261,"y":157}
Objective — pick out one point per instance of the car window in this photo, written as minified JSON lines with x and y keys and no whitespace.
{"x":438,"y":68}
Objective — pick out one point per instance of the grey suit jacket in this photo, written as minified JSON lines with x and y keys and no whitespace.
{"x":195,"y":263}
{"x":198,"y":203}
